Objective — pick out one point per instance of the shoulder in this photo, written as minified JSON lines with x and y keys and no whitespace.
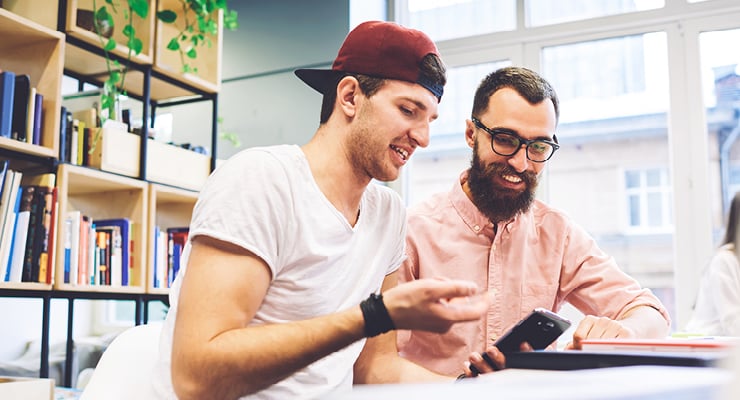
{"x":431,"y":208}
{"x":384,"y":199}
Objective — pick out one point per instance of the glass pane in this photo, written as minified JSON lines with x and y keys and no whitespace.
{"x":614,"y":105}
{"x":634,"y":201}
{"x":547,"y":12}
{"x":721,"y":95}
{"x":653,"y":177}
{"x":655,"y":209}
{"x":632,"y":179}
{"x":449,"y":19}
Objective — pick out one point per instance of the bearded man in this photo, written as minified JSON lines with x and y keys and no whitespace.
{"x":492,"y":230}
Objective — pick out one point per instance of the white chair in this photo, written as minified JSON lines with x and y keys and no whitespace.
{"x":125,"y":369}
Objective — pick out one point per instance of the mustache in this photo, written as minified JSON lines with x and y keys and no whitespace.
{"x":528,"y":177}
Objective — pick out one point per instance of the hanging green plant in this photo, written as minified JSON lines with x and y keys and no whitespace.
{"x":197,"y":23}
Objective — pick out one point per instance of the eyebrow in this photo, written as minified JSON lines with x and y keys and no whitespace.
{"x":513,"y":132}
{"x":420,"y":105}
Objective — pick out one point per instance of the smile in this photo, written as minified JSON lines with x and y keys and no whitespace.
{"x":403,"y":153}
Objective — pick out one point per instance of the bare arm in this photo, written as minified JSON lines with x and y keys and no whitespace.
{"x":215,"y":354}
{"x":638,"y":322}
{"x":379,"y":361}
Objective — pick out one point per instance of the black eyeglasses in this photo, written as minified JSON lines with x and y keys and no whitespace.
{"x":506,"y":143}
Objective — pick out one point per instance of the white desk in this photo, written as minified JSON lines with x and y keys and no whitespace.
{"x":616,"y":383}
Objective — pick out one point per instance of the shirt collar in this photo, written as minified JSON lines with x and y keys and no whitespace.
{"x":468,"y":212}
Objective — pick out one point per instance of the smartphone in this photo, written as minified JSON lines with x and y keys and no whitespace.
{"x":540,"y":328}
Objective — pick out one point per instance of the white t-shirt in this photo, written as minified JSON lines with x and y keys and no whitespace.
{"x":717,"y":309}
{"x":266,"y":201}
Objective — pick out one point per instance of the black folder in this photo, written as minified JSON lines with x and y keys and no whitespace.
{"x":577,"y":359}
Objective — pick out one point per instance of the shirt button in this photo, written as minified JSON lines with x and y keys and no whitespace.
{"x":476,"y":228}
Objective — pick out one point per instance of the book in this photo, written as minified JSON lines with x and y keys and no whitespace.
{"x":7,"y":91}
{"x":7,"y":213}
{"x":65,"y":121}
{"x":20,"y":235}
{"x":72,"y":241}
{"x":124,"y":227}
{"x":30,"y":113}
{"x":38,"y":118}
{"x":20,"y":107}
{"x":37,"y":244}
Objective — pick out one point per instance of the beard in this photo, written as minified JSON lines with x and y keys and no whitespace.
{"x":496,"y":202}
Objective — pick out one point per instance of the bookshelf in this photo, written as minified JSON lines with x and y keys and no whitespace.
{"x":47,"y":43}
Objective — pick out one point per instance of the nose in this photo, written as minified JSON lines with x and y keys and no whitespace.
{"x":519,"y":160}
{"x":420,"y":134}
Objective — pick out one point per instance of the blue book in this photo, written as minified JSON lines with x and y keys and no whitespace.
{"x":7,"y":91}
{"x":38,"y":118}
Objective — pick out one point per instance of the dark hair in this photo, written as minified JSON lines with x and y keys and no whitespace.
{"x":731,"y":231}
{"x":530,"y":85}
{"x":431,"y":70}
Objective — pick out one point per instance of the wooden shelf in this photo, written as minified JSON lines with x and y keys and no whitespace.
{"x":39,"y":52}
{"x":102,"y":195}
{"x":168,"y":207}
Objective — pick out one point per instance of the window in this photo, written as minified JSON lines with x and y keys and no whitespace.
{"x":721,"y":97}
{"x":450,"y":19}
{"x":649,"y":200}
{"x":547,"y":12}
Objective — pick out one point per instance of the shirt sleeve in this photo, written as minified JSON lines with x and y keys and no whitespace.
{"x":243,"y":203}
{"x":593,"y":282}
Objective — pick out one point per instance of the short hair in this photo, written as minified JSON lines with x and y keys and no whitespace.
{"x":530,"y":85}
{"x":431,"y":69}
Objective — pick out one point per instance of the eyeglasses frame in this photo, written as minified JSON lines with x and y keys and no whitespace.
{"x":527,"y":142}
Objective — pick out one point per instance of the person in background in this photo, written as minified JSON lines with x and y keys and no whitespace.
{"x":490,"y":228}
{"x":717,"y":308}
{"x":289,"y":279}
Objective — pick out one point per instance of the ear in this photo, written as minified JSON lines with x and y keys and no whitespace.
{"x":348,"y":89}
{"x":470,"y":133}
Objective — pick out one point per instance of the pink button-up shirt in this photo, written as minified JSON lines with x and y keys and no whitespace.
{"x":539,"y":259}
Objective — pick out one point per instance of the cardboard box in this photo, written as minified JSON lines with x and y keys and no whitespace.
{"x":173,"y":165}
{"x":117,"y":151}
{"x":17,"y":388}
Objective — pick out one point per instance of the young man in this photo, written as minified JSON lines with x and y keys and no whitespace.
{"x":286,"y":242}
{"x":491,"y":229}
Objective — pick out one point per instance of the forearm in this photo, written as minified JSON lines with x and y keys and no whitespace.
{"x":377,"y":366}
{"x":645,"y":322}
{"x":242,"y":361}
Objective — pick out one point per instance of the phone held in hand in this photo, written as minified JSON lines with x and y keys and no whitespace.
{"x":540,"y":328}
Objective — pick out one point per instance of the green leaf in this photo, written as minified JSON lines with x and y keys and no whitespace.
{"x":173,"y":45}
{"x":136,"y":45}
{"x":192,"y":53}
{"x":110,"y":45}
{"x":115,"y":77}
{"x":167,"y":16}
{"x":140,"y":7}
{"x":230,"y":20}
{"x":129,"y":31}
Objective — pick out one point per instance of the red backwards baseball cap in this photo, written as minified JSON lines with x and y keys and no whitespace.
{"x":379,"y":49}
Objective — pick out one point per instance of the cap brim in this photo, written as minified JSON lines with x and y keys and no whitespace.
{"x":319,"y":79}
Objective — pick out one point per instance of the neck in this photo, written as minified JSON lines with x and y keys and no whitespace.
{"x":334,"y":174}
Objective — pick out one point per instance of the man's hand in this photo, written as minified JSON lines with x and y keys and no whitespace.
{"x":592,"y":327}
{"x":435,"y":305}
